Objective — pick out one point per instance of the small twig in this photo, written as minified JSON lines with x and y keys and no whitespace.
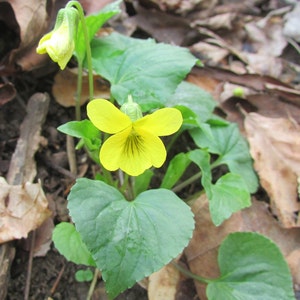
{"x":29,"y":268}
{"x":71,"y":155}
{"x":53,"y":289}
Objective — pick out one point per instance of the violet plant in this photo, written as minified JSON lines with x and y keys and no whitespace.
{"x":122,"y":227}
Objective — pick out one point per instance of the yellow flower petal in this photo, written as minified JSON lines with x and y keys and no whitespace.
{"x":112,"y":149}
{"x":106,"y":117}
{"x":133,"y":152}
{"x":58,"y":44}
{"x":41,"y":49}
{"x":60,"y":48}
{"x":162,"y":122}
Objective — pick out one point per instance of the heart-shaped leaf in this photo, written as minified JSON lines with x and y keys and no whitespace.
{"x":227,"y":142}
{"x":148,"y":71}
{"x":252,"y":267}
{"x":230,"y":194}
{"x":129,"y":240}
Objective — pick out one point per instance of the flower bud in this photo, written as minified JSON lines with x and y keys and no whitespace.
{"x":60,"y":42}
{"x":132,"y":109}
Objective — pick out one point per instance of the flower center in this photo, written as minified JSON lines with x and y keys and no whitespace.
{"x":134,"y":144}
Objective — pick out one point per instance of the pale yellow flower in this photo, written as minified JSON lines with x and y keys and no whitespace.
{"x":60,"y":42}
{"x":135,"y":145}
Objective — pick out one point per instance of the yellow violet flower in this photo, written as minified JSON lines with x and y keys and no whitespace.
{"x":135,"y":144}
{"x":60,"y":42}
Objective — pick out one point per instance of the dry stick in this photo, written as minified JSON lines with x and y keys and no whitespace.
{"x":71,"y":155}
{"x":29,"y":268}
{"x":61,"y":272}
{"x":22,"y":169}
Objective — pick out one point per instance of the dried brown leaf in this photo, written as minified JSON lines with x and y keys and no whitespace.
{"x":266,"y":36}
{"x":182,"y":6}
{"x":292,"y":23}
{"x":209,"y":53}
{"x":23,"y":208}
{"x":7,"y":93}
{"x":164,"y":27}
{"x":65,"y":87}
{"x":217,"y":22}
{"x":262,"y":94}
{"x":163,"y":283}
{"x":31,"y":22}
{"x":274,"y":146}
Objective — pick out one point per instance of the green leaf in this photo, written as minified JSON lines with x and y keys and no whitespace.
{"x":227,"y":142}
{"x":129,"y":240}
{"x":202,"y":159}
{"x":141,"y":182}
{"x":230,"y":194}
{"x":176,"y":168}
{"x":84,"y":275}
{"x":69,"y":243}
{"x":87,"y":132}
{"x":189,"y":118}
{"x":195,"y":98}
{"x":80,"y":129}
{"x":252,"y":267}
{"x":94,"y":23}
{"x":148,"y":71}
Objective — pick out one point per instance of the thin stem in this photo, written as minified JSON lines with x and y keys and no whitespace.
{"x":190,"y":274}
{"x":187,"y":182}
{"x":93,"y":284}
{"x":78,"y":93}
{"x":195,"y":177}
{"x":87,"y":46}
{"x":123,"y":181}
{"x":89,"y":59}
{"x":127,"y":188}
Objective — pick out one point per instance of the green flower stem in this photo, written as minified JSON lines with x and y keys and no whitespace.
{"x":190,"y":274}
{"x":87,"y":45}
{"x":187,"y":182}
{"x":173,"y":140}
{"x":78,"y":93}
{"x":195,"y":177}
{"x":93,"y":284}
{"x":126,"y":187}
